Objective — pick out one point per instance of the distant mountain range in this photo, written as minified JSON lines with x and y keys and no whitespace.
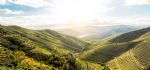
{"x":96,"y":32}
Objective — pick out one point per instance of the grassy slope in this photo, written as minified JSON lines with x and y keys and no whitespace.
{"x":129,"y":51}
{"x":49,"y":39}
{"x":21,"y":49}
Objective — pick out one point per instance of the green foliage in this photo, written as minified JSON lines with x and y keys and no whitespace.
{"x":24,"y":49}
{"x":16,"y":42}
{"x":18,"y":60}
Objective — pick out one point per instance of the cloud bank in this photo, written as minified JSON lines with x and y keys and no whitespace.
{"x":46,"y":12}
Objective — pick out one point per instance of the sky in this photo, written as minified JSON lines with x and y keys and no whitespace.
{"x":32,"y":13}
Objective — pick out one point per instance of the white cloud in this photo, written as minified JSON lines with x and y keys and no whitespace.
{"x":63,"y":11}
{"x":136,"y":2}
{"x":27,"y":21}
{"x":7,"y":11}
{"x":31,"y":3}
{"x":2,"y":2}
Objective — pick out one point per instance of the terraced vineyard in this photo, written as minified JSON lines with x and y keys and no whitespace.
{"x":107,"y":52}
{"x":138,"y":58}
{"x":125,"y":62}
{"x":122,"y":54}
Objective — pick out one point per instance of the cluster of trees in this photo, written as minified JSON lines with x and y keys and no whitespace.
{"x":65,"y":62}
{"x":10,"y":60}
{"x":16,"y":42}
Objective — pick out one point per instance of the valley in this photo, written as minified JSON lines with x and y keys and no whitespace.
{"x":26,"y":49}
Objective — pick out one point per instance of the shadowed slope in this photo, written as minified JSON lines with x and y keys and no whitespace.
{"x":130,"y":36}
{"x":108,"y":52}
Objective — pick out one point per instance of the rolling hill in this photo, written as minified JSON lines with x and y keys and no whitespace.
{"x":128,"y":51}
{"x":48,"y":39}
{"x":24,"y":49}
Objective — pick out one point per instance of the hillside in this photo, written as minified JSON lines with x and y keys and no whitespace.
{"x":24,"y":49}
{"x":48,"y":39}
{"x":138,"y":57}
{"x":128,"y":51}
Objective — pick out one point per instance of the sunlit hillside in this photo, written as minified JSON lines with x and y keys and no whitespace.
{"x":74,"y":34}
{"x":30,"y":49}
{"x":128,"y":51}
